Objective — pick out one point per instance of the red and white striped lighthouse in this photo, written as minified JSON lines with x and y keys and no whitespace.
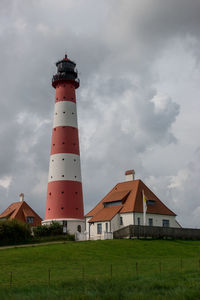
{"x":64,"y":202}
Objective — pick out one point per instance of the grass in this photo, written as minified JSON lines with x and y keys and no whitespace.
{"x":115,"y":269}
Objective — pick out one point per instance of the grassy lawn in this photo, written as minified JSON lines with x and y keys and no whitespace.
{"x":115,"y":269}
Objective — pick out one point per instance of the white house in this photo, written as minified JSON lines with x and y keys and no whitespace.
{"x":123,"y":206}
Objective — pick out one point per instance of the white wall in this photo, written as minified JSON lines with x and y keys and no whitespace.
{"x":128,"y":219}
{"x":72,"y":224}
{"x":157,"y":219}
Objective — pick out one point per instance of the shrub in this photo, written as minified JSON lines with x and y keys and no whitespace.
{"x":48,"y":230}
{"x":14,"y":231}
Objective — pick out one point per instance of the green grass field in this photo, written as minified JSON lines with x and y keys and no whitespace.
{"x":115,"y":269}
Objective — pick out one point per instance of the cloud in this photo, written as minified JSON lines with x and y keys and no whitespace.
{"x":139,"y":71}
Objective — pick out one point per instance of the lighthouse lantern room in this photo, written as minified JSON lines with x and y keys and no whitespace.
{"x":64,"y":202}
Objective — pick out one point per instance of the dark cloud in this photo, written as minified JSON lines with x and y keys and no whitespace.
{"x":121,"y":113}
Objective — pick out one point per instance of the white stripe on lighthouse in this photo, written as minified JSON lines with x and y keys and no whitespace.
{"x":65,"y":114}
{"x":64,"y":166}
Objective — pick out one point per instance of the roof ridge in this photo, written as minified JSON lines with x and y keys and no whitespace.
{"x":17,"y":208}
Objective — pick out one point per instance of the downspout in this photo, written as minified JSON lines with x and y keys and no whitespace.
{"x":89,"y":231}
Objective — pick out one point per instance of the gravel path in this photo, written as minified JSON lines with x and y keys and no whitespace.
{"x":32,"y":245}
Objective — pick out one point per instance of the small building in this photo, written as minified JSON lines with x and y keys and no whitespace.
{"x":21,"y":211}
{"x":124,"y":205}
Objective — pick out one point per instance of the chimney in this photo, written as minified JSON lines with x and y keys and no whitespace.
{"x":130,"y":175}
{"x":21,"y":197}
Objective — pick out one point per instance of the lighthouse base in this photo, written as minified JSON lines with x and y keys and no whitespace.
{"x":70,"y":226}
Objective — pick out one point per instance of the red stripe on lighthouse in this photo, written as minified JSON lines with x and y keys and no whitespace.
{"x":65,"y":92}
{"x":65,"y":200}
{"x":65,"y":140}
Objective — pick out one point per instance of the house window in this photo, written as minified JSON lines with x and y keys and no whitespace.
{"x":138,"y":220}
{"x":150,"y":222}
{"x":106,"y":227}
{"x":99,"y":228}
{"x":121,"y":221}
{"x":30,"y":220}
{"x":165,"y":223}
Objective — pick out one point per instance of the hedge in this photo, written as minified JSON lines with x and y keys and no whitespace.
{"x":13,"y":232}
{"x":48,"y":230}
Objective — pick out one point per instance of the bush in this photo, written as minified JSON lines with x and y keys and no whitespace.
{"x":48,"y":230}
{"x":13,"y":232}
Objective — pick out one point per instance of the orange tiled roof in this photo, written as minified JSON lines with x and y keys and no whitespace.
{"x":11,"y":211}
{"x":106,"y":214}
{"x":134,"y":200}
{"x":20,"y":210}
{"x":117,"y":196}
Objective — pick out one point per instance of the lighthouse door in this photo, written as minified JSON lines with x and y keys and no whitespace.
{"x":64,"y":226}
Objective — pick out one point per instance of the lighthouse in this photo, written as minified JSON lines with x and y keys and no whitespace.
{"x":64,"y":203}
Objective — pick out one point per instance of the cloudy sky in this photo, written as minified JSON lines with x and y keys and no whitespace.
{"x":138,"y":103}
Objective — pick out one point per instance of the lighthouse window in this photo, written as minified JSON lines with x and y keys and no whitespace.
{"x":51,"y":176}
{"x":49,"y":194}
{"x":63,"y":143}
{"x":63,"y":112}
{"x":63,"y":175}
{"x":74,"y":159}
{"x":62,"y":192}
{"x":64,"y":97}
{"x":75,"y":176}
{"x":52,"y":160}
{"x":48,"y":208}
{"x":63,"y":159}
{"x":62,"y":207}
{"x":54,"y":129}
{"x":53,"y":144}
{"x":73,"y":113}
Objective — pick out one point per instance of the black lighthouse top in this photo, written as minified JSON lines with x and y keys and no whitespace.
{"x":66,"y":71}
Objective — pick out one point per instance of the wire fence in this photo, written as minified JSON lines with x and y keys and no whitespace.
{"x":54,"y":274}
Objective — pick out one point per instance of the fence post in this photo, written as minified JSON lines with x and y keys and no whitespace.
{"x":136,"y":267}
{"x":11,"y":279}
{"x":160,"y":267}
{"x":49,"y":277}
{"x":83,"y":273}
{"x":111,"y":270}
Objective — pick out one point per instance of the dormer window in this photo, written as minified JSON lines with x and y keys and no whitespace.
{"x":113,"y":203}
{"x":150,"y":202}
